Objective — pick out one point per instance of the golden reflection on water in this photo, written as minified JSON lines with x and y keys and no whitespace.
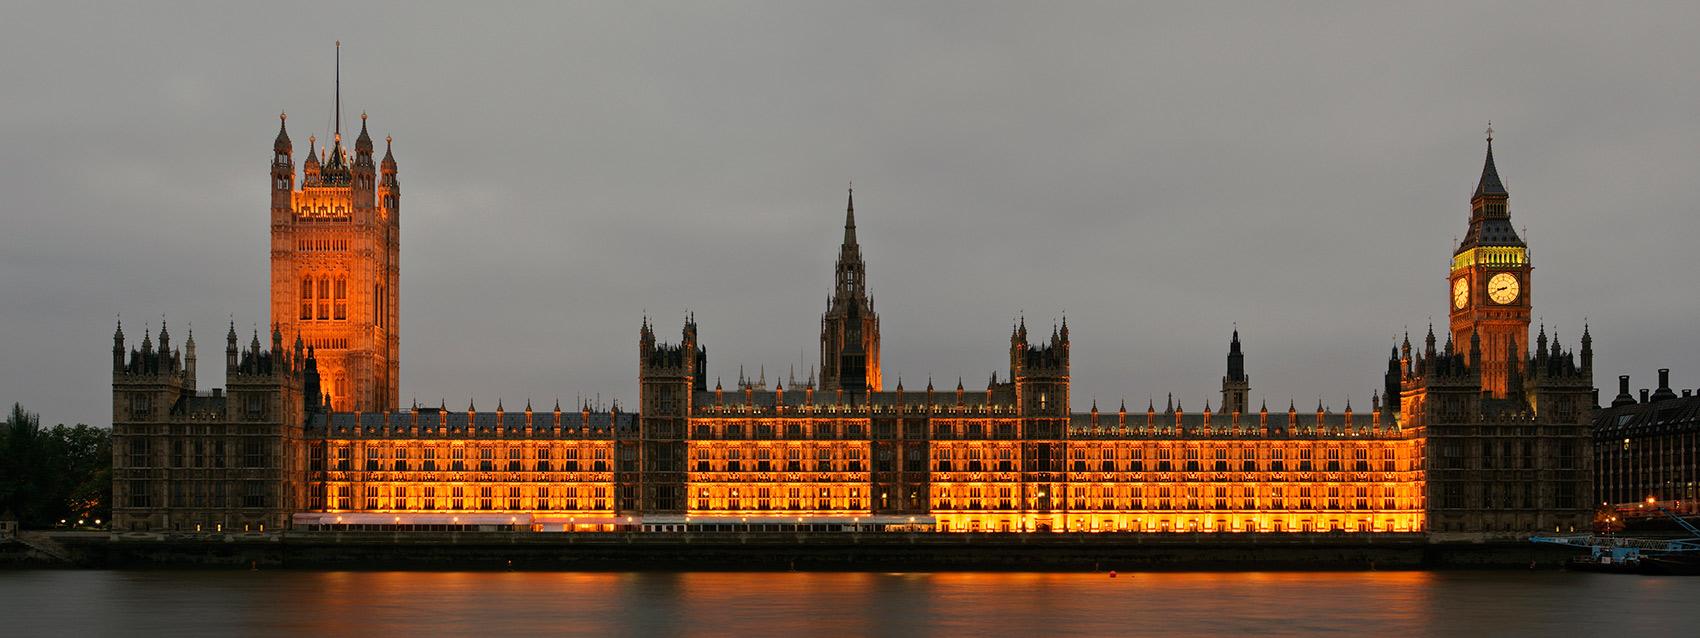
{"x":844,"y":604}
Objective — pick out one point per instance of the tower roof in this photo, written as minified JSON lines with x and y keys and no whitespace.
{"x":363,"y":143}
{"x":389,"y":158}
{"x":282,"y":145}
{"x":850,"y":220}
{"x":1490,"y":220}
{"x":1489,"y":184}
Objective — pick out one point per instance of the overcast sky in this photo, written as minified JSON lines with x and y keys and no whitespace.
{"x":1158,"y":174}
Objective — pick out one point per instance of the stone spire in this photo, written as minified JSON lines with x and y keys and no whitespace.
{"x":1236,"y":359}
{"x":849,"y":329}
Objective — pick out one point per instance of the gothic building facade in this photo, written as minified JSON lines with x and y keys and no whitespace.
{"x":1485,"y":440}
{"x":1506,"y":432}
{"x":336,"y":265}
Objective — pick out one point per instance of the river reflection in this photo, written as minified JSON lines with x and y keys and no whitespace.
{"x":180,"y":603}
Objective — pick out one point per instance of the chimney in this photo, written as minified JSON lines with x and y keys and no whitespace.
{"x":1664,"y":392}
{"x":1623,"y":397}
{"x":1643,"y":395}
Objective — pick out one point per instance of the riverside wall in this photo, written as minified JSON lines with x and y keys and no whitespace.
{"x":773,"y":551}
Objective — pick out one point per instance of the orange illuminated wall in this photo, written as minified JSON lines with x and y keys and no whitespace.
{"x":1157,"y":472}
{"x":335,"y":255}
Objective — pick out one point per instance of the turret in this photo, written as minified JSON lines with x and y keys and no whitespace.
{"x":850,"y":339}
{"x":1236,"y":386}
{"x":1587,"y":350}
{"x":1391,"y":383}
{"x":164,"y":341}
{"x":363,"y":177}
{"x":230,"y":350}
{"x":314,"y":400}
{"x":118,"y":348}
{"x":310,"y":168}
{"x":189,"y":359}
{"x":283,"y":166}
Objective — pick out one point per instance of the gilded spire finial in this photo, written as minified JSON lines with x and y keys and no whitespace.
{"x":1490,"y":131}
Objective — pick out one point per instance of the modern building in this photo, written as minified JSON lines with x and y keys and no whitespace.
{"x":1478,"y":441}
{"x":1645,"y":449}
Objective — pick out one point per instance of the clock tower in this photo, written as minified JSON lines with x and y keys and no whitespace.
{"x":1489,"y":284}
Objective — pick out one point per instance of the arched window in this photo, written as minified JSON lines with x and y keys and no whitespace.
{"x":306,"y":298}
{"x":341,"y":298}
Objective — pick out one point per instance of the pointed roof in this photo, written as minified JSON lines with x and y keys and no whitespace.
{"x":850,"y":220}
{"x":1489,"y":184}
{"x":1490,"y":219}
{"x":363,"y":143}
{"x":282,"y":145}
{"x":389,"y":157}
{"x":336,"y":160}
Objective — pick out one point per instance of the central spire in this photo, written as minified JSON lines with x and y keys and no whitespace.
{"x":850,"y":220}
{"x":338,"y":123}
{"x":850,"y":329}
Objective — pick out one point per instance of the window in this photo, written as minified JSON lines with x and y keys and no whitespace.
{"x":1567,"y":494}
{"x":139,"y":494}
{"x":341,"y":298}
{"x":253,"y":453}
{"x":138,"y":454}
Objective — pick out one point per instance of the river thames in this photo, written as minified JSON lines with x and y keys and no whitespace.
{"x":298,"y":603}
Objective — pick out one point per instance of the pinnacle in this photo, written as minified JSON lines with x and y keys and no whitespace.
{"x":1490,"y":183}
{"x":850,"y":221}
{"x":282,"y":144}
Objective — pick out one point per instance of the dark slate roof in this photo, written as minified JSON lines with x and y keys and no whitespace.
{"x":1653,"y":418}
{"x":798,"y":398}
{"x":1492,"y":231}
{"x":1490,"y":184}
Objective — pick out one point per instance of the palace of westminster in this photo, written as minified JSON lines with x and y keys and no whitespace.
{"x":1476,"y":432}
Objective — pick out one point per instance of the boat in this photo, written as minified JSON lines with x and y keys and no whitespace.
{"x":1648,"y":556}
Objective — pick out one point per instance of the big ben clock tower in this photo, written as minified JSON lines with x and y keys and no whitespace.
{"x":1490,"y":285}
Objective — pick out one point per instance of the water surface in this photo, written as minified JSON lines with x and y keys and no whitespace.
{"x":274,"y":603}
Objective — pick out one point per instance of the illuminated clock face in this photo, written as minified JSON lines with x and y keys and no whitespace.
{"x":1460,"y":292}
{"x":1502,"y":288}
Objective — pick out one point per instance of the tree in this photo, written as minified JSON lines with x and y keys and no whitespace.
{"x":51,"y":475}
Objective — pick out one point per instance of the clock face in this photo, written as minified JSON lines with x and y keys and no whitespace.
{"x":1503,"y":288}
{"x":1460,"y":292}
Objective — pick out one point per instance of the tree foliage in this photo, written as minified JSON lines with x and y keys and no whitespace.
{"x":49,"y":475}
